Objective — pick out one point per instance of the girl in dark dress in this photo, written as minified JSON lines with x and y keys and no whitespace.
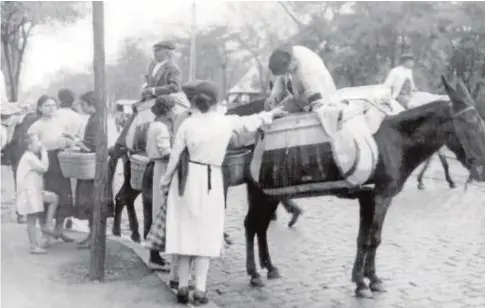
{"x":85,"y":188}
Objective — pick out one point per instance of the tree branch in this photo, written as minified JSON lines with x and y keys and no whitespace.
{"x":292,"y":16}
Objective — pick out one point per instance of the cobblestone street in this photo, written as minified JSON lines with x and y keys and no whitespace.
{"x":432,"y":253}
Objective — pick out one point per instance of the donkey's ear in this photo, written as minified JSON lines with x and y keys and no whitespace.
{"x":462,"y":91}
{"x":450,"y":90}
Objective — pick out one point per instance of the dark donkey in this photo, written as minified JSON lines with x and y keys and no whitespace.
{"x":404,"y":141}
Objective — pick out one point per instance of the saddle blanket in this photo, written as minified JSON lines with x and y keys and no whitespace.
{"x":295,"y":155}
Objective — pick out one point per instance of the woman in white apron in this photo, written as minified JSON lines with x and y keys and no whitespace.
{"x":195,"y":202}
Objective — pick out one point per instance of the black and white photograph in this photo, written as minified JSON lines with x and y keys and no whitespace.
{"x":242,"y":154}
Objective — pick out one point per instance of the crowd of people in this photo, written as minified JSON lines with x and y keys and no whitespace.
{"x":188,"y":207}
{"x":39,"y":179}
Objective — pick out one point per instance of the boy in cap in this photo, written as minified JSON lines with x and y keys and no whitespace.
{"x":400,"y":80}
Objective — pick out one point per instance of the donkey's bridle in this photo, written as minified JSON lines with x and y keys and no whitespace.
{"x":470,"y":159}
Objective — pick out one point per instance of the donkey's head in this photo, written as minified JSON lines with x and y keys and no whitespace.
{"x":466,"y":138}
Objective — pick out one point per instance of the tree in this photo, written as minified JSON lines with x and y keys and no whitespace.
{"x":18,"y":22}
{"x":125,"y":76}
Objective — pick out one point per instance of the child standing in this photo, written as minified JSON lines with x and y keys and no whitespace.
{"x":31,"y":195}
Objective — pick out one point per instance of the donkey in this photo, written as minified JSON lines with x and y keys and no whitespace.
{"x":405,"y":141}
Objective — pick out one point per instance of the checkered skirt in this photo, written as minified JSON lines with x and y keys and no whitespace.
{"x":156,"y":237}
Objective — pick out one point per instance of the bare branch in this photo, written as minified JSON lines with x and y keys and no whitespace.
{"x":292,"y":16}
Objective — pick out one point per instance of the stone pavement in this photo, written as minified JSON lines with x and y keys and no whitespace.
{"x":432,"y":253}
{"x":59,"y":279}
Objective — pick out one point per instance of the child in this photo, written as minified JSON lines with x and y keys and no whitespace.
{"x":31,"y":195}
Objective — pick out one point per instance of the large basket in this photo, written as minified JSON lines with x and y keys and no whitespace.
{"x":138,"y":164}
{"x":77,"y":165}
{"x":234,"y":166}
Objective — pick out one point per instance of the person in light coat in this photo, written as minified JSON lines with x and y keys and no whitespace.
{"x":401,"y":82}
{"x":195,"y":201}
{"x":311,"y":82}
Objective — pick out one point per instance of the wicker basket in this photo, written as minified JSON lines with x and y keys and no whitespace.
{"x":234,"y":166}
{"x":138,"y":165}
{"x":78,"y":165}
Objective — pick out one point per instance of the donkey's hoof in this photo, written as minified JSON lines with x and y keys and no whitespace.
{"x":363,"y":292}
{"x":116,"y":232}
{"x":421,"y":186}
{"x":136,"y":238}
{"x":256,"y":282}
{"x":377,"y":287}
{"x":274,"y":274}
{"x":452,"y":185}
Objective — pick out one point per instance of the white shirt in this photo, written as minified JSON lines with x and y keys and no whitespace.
{"x":310,"y":75}
{"x":157,"y":67}
{"x":73,"y":123}
{"x":396,"y":78}
{"x":50,"y":132}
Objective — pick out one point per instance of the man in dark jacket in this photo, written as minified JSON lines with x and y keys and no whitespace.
{"x":164,"y":76}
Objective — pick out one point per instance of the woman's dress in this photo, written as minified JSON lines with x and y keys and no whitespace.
{"x":195,"y":220}
{"x":85,"y":188}
{"x":158,"y":146}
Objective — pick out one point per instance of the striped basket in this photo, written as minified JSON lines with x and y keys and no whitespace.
{"x":138,"y":164}
{"x":78,"y":165}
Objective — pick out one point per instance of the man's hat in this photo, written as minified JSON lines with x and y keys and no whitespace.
{"x":406,"y":56}
{"x":164,"y":45}
{"x":280,"y":59}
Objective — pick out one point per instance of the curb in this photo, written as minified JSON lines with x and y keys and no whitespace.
{"x":142,"y":253}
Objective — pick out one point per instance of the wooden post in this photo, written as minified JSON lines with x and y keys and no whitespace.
{"x":193,"y":69}
{"x":98,"y":247}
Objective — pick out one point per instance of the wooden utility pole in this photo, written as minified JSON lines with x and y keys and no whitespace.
{"x":98,"y":247}
{"x":193,"y":69}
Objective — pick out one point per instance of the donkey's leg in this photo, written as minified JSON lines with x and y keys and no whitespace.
{"x":446,"y":167}
{"x":227,"y":237}
{"x":251,"y":226}
{"x":119,"y":205}
{"x":367,"y":208}
{"x":421,"y":173}
{"x":381,"y":207}
{"x":132,"y":218}
{"x":264,"y":257}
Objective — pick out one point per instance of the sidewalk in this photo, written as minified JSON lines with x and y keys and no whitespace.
{"x":59,"y":279}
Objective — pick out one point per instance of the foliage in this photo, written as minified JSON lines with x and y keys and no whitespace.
{"x":18,"y":21}
{"x":359,"y":42}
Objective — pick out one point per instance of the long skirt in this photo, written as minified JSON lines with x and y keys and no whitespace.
{"x":55,"y":182}
{"x":156,"y":238}
{"x":195,"y":220}
{"x":83,"y":209}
